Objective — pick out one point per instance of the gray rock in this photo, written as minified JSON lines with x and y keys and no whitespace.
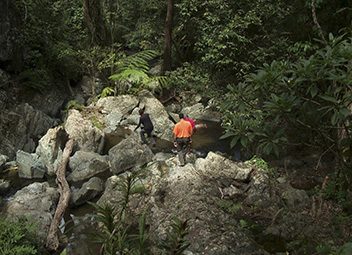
{"x":3,"y":160}
{"x":49,"y":149}
{"x":199,"y":112}
{"x":219,"y":166}
{"x":89,"y":88}
{"x":21,"y":127}
{"x":29,"y":165}
{"x":187,"y":193}
{"x":162,"y":124}
{"x":295,"y":198}
{"x":4,"y":186}
{"x":88,"y":191}
{"x":120,"y":104}
{"x":82,"y":130}
{"x":129,"y":153}
{"x":112,"y":120}
{"x":36,"y":201}
{"x":85,"y":165}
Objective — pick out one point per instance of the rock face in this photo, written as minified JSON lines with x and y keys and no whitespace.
{"x":85,"y":165}
{"x":83,"y":131}
{"x":128,"y":154}
{"x":160,"y":118}
{"x":36,"y":201}
{"x":21,"y":128}
{"x":88,"y":191}
{"x":29,"y":165}
{"x":191,"y":192}
{"x":50,"y":147}
{"x":121,"y":104}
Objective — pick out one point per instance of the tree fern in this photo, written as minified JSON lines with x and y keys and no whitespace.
{"x":134,"y":69}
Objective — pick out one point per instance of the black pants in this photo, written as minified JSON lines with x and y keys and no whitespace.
{"x":182,"y":149}
{"x":149,"y":134}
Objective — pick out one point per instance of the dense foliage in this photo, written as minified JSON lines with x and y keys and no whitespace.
{"x":288,"y":102}
{"x":279,"y":70}
{"x":17,"y":237}
{"x":284,"y":79}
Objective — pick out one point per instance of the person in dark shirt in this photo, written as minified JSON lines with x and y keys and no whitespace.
{"x":146,"y":126}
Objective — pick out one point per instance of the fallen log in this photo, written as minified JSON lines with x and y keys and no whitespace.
{"x":52,"y":241}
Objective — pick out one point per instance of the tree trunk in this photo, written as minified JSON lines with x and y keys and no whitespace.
{"x":52,"y":241}
{"x":168,"y":36}
{"x":316,"y":23}
{"x":93,"y":17}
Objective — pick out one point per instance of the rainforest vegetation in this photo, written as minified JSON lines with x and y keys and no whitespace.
{"x":279,"y":72}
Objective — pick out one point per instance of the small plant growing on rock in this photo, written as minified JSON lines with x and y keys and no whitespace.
{"x":176,"y":243}
{"x":262,"y":164}
{"x":73,"y":104}
{"x":229,"y":206}
{"x":117,"y":234}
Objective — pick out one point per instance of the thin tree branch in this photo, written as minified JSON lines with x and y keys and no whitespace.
{"x":52,"y":242}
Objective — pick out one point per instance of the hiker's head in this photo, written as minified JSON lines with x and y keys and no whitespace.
{"x":141,"y":111}
{"x":181,"y":115}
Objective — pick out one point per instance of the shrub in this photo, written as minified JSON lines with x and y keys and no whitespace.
{"x":17,"y":237}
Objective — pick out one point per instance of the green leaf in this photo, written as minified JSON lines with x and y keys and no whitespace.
{"x":334,"y":118}
{"x":344,"y":112}
{"x":234,"y":141}
{"x":313,"y":91}
{"x":329,"y":99}
{"x":244,"y":141}
{"x":227,"y":135}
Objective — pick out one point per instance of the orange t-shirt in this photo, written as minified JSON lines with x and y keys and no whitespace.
{"x":183,"y":129}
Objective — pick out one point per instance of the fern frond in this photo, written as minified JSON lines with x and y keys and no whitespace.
{"x":107,"y":91}
{"x":138,"y":60}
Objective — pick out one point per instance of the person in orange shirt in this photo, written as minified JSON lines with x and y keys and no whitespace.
{"x":182,"y":138}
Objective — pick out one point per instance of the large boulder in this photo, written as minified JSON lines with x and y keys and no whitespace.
{"x":115,"y":109}
{"x":190,"y":192}
{"x":198,"y":111}
{"x":36,"y":201}
{"x":51,"y":101}
{"x":85,"y":130}
{"x":50,"y":148}
{"x":129,"y":153}
{"x":88,"y":88}
{"x":29,"y":165}
{"x":85,"y":165}
{"x":162,"y":124}
{"x":123,"y":104}
{"x":88,"y":191}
